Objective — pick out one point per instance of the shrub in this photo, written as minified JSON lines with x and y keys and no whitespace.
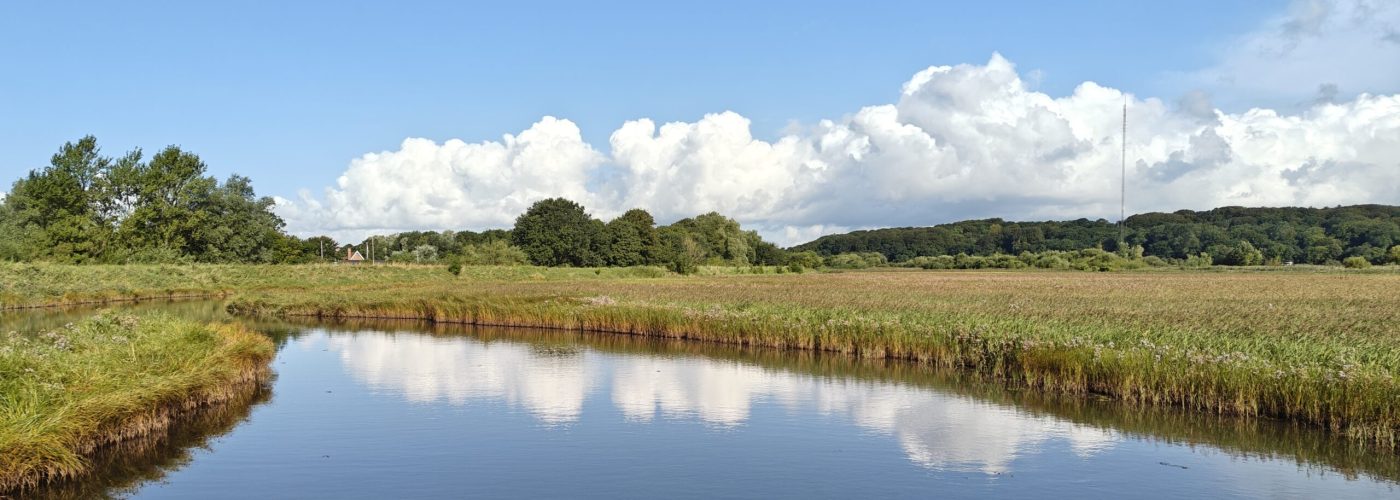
{"x":425,"y":253}
{"x":804,"y":260}
{"x":1241,"y":254}
{"x":1202,"y":260}
{"x":455,"y":268}
{"x":1092,"y":259}
{"x":860,"y":260}
{"x":1356,"y":262}
{"x":931,"y":262}
{"x":494,"y":253}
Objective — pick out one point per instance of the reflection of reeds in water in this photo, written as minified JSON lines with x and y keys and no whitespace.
{"x":118,"y":469}
{"x":1256,"y":438}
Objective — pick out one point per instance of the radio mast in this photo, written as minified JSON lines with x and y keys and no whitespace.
{"x":1123,"y":176}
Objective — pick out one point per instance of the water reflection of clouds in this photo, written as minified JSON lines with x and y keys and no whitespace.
{"x":427,"y":369}
{"x":936,"y":430}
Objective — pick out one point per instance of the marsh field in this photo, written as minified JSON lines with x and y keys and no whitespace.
{"x":1315,"y":348}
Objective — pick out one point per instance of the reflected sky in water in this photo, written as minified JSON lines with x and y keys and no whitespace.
{"x":552,"y":383}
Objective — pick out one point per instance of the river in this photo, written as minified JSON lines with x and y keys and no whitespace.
{"x":404,"y":409}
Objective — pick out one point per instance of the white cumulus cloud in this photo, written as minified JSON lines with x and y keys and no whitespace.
{"x":450,"y":185}
{"x":971,"y":140}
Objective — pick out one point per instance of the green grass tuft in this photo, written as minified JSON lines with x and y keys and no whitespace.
{"x":64,"y":392}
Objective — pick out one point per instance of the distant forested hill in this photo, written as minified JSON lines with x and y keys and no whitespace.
{"x":1311,"y":235}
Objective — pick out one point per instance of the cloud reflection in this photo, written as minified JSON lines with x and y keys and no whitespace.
{"x":552,"y":382}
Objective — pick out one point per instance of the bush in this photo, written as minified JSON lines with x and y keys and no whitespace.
{"x":932,"y":262}
{"x":1394,"y":254}
{"x":1202,"y":260}
{"x":804,"y":260}
{"x":1154,"y":261}
{"x":1241,"y":254}
{"x":494,"y":253}
{"x":682,"y":263}
{"x":425,"y":253}
{"x":153,"y":255}
{"x":455,"y":268}
{"x":1356,"y":263}
{"x":860,"y":260}
{"x":1091,"y":259}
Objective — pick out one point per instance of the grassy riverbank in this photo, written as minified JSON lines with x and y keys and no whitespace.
{"x":1320,"y":348}
{"x":68,"y":391}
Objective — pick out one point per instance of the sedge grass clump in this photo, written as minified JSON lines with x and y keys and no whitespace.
{"x":87,"y":384}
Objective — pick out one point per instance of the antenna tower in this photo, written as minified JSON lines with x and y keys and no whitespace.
{"x":1123,"y":176}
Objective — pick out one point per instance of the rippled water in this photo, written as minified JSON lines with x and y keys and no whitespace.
{"x":402,"y":410}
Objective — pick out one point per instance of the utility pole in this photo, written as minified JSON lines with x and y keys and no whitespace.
{"x":1123,"y":176}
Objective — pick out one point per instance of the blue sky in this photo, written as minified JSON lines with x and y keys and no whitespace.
{"x":289,"y":93}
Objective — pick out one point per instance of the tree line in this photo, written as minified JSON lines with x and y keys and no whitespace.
{"x":561,"y":232}
{"x":88,"y":208}
{"x":1229,"y":236}
{"x":84,"y":207}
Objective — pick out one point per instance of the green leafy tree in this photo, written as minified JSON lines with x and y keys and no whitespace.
{"x":57,"y":206}
{"x":768,"y":254}
{"x":238,"y":226}
{"x":168,"y":192}
{"x":807,"y":259}
{"x":685,"y":257}
{"x":559,"y":232}
{"x":14,"y":244}
{"x":320,"y":249}
{"x":632,"y":239}
{"x":720,"y":239}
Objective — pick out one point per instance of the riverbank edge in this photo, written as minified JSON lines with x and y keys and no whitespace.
{"x":250,"y":371}
{"x":1350,"y":408}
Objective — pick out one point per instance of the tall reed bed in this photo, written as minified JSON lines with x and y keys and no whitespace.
{"x":1317,"y":348}
{"x":109,"y":379}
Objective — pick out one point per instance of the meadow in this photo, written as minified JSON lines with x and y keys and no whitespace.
{"x":25,"y":285}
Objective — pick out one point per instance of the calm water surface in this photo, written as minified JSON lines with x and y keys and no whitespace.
{"x":379,"y":410}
